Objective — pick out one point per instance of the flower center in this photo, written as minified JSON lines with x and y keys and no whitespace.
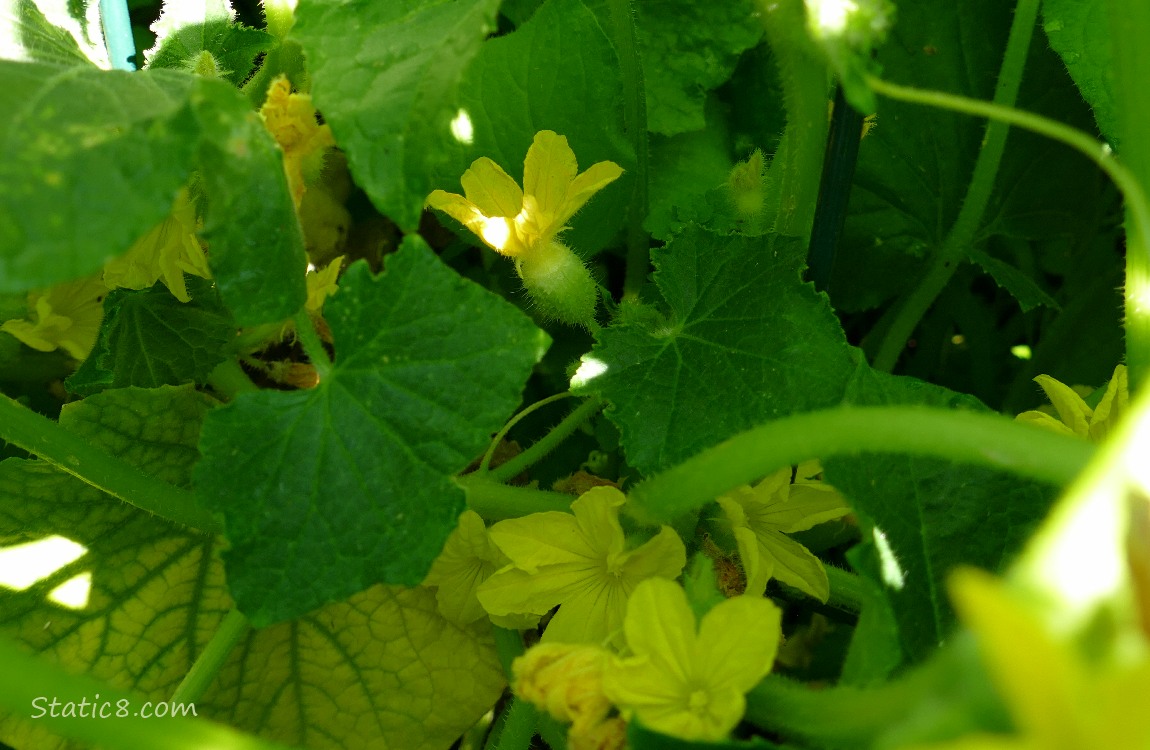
{"x":698,"y":701}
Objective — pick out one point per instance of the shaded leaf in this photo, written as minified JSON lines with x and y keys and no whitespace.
{"x":742,"y":340}
{"x":186,"y":28}
{"x":330,"y":490}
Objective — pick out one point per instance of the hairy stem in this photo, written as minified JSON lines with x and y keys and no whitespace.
{"x":516,"y":728}
{"x":846,"y":590}
{"x":208,"y":664}
{"x":635,"y":117}
{"x":980,"y":439}
{"x":548,"y":442}
{"x":958,"y":241}
{"x":486,"y":462}
{"x":495,"y":501}
{"x":80,"y":458}
{"x":1129,"y":27}
{"x":312,"y":345}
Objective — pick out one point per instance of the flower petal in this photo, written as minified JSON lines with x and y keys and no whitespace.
{"x":549,"y":538}
{"x":1072,"y":410}
{"x":1045,"y":421}
{"x":548,"y":171}
{"x":491,"y":189}
{"x":661,"y":556}
{"x":661,"y":626}
{"x":597,"y":177}
{"x":511,"y":591}
{"x":809,"y":505}
{"x":793,"y":564}
{"x":738,"y":640}
{"x":1112,"y":405}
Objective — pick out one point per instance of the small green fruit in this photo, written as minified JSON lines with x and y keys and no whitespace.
{"x":559,"y":284}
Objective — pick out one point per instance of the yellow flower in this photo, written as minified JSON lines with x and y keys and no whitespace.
{"x":577,"y":560}
{"x":518,"y":222}
{"x":167,"y":252}
{"x":321,"y":285}
{"x":291,"y":119}
{"x":687,"y":684}
{"x":1074,"y":416}
{"x":565,"y":680}
{"x":66,"y":316}
{"x":760,"y":519}
{"x":1057,"y":700}
{"x":469,"y":557}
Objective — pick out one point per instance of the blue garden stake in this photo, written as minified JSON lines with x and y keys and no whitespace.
{"x":118,"y":33}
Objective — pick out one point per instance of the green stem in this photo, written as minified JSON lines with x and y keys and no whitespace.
{"x":229,"y":379}
{"x":495,"y":501}
{"x":981,"y":439}
{"x":1129,"y":27}
{"x":961,"y":236}
{"x":1099,"y":153}
{"x":41,"y":681}
{"x":635,"y":117}
{"x":508,"y":647}
{"x":312,"y":345}
{"x":548,"y":442}
{"x":796,"y":170}
{"x":517,"y":727}
{"x":80,"y":458}
{"x":196,"y":682}
{"x":847,"y":592}
{"x":486,"y":462}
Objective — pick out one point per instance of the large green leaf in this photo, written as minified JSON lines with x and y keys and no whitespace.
{"x":556,"y":72}
{"x":926,"y":516}
{"x":89,"y":161}
{"x":149,"y":338}
{"x":688,"y":48}
{"x":386,"y":77}
{"x":1079,"y":31}
{"x":364,"y":673}
{"x":742,"y":340}
{"x":330,"y":490}
{"x":28,"y":34}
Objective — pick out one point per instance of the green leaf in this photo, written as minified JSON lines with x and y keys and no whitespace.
{"x":364,"y":673}
{"x":556,"y":72}
{"x":913,"y":168}
{"x":386,"y":75}
{"x":328,"y":491}
{"x":689,"y":48}
{"x":187,"y":29}
{"x":38,"y":39}
{"x":256,"y":245}
{"x":90,"y":161}
{"x":875,"y":650}
{"x":149,"y":338}
{"x":927,"y":516}
{"x":107,"y":151}
{"x":1020,"y":286}
{"x":1079,"y":31}
{"x":743,"y":340}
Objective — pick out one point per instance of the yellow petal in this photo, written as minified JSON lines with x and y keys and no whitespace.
{"x":1112,"y":405}
{"x":661,"y":556}
{"x":1072,"y":410}
{"x":807,"y":505}
{"x":495,"y":231}
{"x":1035,"y":674}
{"x":548,"y":171}
{"x":660,"y":627}
{"x":738,"y":640}
{"x":491,"y":189}
{"x":511,"y":591}
{"x":1045,"y":421}
{"x":597,"y":177}
{"x":793,"y":564}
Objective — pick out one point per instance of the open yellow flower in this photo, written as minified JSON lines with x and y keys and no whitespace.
{"x":579,"y":561}
{"x":1074,"y":416}
{"x":516,"y":222}
{"x":1057,"y":700}
{"x":468,"y":559}
{"x":166,"y":253}
{"x":66,"y":316}
{"x":762,"y":516}
{"x":689,"y":684}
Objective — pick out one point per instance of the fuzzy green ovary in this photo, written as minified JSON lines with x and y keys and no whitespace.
{"x":559,"y":284}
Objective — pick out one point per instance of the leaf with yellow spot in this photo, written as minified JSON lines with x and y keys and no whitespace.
{"x":370,"y":672}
